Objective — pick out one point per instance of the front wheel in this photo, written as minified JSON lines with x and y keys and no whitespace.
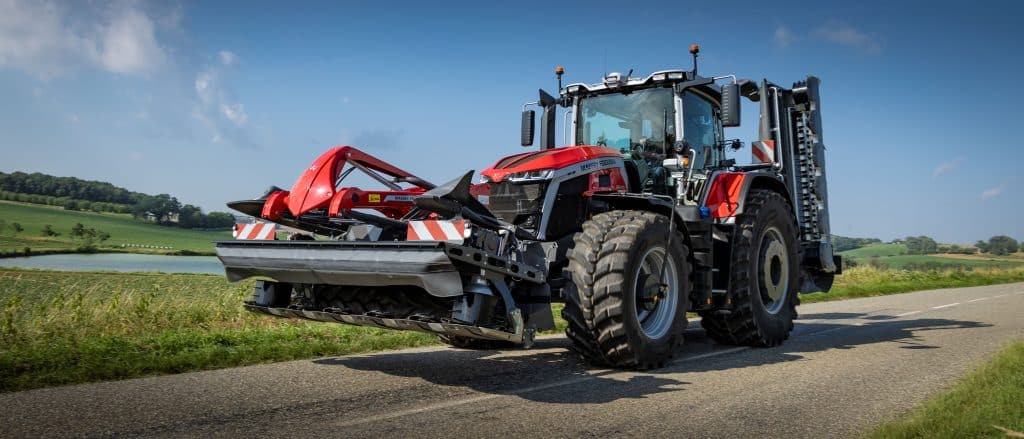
{"x":628,"y":290}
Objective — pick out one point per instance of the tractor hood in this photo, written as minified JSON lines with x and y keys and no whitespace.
{"x":555,"y":158}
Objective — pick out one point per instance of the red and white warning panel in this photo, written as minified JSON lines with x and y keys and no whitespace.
{"x":454,"y":230}
{"x":257,"y":230}
{"x":764,"y":151}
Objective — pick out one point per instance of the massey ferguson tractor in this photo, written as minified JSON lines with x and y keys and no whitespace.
{"x":638,"y":220}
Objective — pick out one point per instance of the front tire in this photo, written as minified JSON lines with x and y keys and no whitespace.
{"x":764,"y":277}
{"x":618,"y":314}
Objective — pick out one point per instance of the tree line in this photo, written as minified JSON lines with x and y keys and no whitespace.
{"x":86,"y":195}
{"x":925,"y":245}
{"x":67,"y":187}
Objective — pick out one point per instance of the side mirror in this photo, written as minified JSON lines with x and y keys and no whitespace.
{"x":731,"y":105}
{"x":528,"y":128}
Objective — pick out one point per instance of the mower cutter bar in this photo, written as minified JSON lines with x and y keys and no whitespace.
{"x":446,"y":328}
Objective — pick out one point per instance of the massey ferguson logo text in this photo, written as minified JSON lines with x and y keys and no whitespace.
{"x":587,"y":166}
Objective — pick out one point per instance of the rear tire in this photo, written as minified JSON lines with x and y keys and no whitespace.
{"x":765,"y":275}
{"x":615,"y":311}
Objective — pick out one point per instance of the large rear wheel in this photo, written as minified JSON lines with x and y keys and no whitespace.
{"x":764,"y":279}
{"x":628,"y":290}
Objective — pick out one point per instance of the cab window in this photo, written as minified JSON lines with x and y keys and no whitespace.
{"x":701,"y":129}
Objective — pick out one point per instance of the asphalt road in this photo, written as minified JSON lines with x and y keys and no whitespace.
{"x":848,"y":366}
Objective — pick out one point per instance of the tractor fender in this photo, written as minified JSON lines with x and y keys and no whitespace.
{"x":684,"y":216}
{"x":726,"y":193}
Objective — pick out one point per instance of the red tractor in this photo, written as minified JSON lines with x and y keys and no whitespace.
{"x":640,"y":219}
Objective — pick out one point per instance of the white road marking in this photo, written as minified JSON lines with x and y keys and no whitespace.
{"x":1001,"y":295}
{"x":946,"y":305}
{"x":481,"y":398}
{"x":977,"y":300}
{"x":908,"y":313}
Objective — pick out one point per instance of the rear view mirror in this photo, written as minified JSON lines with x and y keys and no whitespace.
{"x":527,"y":128}
{"x":731,"y":105}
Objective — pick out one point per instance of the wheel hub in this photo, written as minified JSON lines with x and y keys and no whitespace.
{"x":656,"y":302}
{"x":774,"y":267}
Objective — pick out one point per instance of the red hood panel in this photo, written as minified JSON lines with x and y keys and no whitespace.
{"x":556,"y":158}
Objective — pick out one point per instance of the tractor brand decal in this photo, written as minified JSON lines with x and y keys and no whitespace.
{"x":436,"y":231}
{"x":374,"y":198}
{"x":764,"y":151}
{"x":398,"y":198}
{"x":607,"y":162}
{"x":263,"y":231}
{"x":588,"y":166}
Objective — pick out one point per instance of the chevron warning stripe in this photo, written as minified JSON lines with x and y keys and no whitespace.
{"x":264,"y":231}
{"x":436,"y":231}
{"x":764,"y":151}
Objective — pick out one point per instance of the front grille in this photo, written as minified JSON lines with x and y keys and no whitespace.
{"x":517,"y":203}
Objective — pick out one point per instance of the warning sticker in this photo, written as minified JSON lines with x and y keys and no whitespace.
{"x":374,"y":198}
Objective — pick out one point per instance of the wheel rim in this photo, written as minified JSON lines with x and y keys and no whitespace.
{"x":774,"y":270}
{"x":655,"y":309}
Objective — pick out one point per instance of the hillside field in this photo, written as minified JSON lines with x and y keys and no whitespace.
{"x":122,"y":229}
{"x":895,"y":256}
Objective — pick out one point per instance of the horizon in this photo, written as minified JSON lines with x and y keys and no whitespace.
{"x":214,"y":102}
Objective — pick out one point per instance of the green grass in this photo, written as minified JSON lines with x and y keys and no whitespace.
{"x":122,"y":229}
{"x":894,"y":256}
{"x":868,"y":281}
{"x":992,"y":395}
{"x":878,"y":250}
{"x":62,"y":328}
{"x":74,"y":327}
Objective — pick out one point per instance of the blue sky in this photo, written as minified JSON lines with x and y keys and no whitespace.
{"x":214,"y":101}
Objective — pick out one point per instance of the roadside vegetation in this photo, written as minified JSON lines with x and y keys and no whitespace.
{"x":986,"y":403}
{"x":34,"y":229}
{"x":64,"y":328}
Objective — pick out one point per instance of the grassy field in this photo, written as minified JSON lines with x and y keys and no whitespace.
{"x":877,"y":250}
{"x":122,"y":229}
{"x":990,"y":397}
{"x":62,"y":328}
{"x":894,"y":256}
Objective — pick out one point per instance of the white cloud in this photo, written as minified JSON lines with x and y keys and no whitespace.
{"x":991,"y":192}
{"x":228,"y":58}
{"x":947,"y":167}
{"x":216,"y":108}
{"x":845,"y":35}
{"x":235,"y":113}
{"x":784,"y":37}
{"x":129,"y":44}
{"x":46,"y":39}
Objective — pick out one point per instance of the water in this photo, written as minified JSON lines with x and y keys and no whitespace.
{"x":118,"y":262}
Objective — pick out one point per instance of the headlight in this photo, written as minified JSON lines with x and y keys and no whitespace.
{"x":538,"y":175}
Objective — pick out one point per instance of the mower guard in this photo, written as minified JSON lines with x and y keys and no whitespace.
{"x":418,"y":263}
{"x":431,"y":265}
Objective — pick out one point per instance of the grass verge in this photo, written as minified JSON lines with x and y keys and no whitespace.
{"x":869,"y":281}
{"x":74,"y":327}
{"x":986,"y":403}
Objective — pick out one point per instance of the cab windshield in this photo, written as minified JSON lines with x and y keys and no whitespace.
{"x":642,"y":121}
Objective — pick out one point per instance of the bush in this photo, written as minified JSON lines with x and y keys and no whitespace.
{"x":1000,"y":245}
{"x":48,"y":231}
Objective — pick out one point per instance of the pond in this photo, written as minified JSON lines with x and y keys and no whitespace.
{"x":118,"y":262}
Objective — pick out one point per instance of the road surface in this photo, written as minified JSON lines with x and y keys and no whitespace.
{"x":849,"y":366}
